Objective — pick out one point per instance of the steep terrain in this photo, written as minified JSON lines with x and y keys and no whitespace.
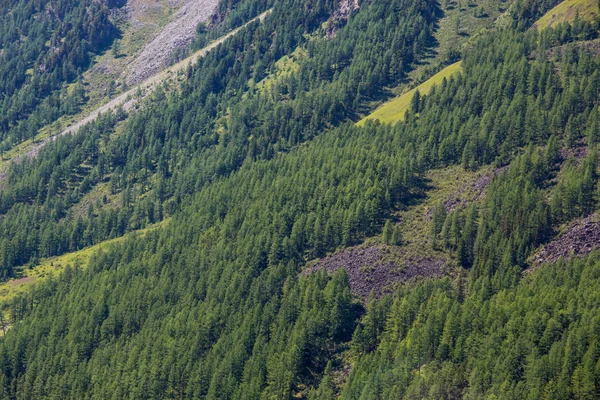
{"x":233,"y":233}
{"x":124,"y":101}
{"x":580,"y":239}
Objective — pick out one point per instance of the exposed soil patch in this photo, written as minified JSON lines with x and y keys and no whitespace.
{"x":375,"y":269}
{"x":139,"y":12}
{"x":140,"y":21}
{"x":21,"y":281}
{"x":580,"y":239}
{"x":467,"y":193}
{"x":578,"y":153}
{"x":475,"y":190}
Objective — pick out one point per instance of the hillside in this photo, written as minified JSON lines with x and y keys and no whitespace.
{"x":226,"y":230}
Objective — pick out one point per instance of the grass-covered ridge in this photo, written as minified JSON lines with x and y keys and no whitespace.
{"x":567,"y":11}
{"x":393,"y":111}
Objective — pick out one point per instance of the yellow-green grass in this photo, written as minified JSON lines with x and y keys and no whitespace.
{"x":566,"y":12}
{"x":393,"y":110}
{"x":53,"y":266}
{"x":99,"y":196}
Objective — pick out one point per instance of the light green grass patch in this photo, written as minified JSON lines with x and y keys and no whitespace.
{"x":99,"y":197}
{"x":566,"y":12}
{"x":445,"y":183}
{"x":393,"y":111}
{"x":53,"y":266}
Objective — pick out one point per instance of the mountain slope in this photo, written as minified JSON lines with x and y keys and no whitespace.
{"x":179,"y":33}
{"x":305,"y":256}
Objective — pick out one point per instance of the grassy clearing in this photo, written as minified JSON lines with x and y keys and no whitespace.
{"x":463,"y":19}
{"x":461,"y":22}
{"x":445,"y":183}
{"x":99,"y":197}
{"x":567,"y":11}
{"x":393,"y":111}
{"x":55,"y":265}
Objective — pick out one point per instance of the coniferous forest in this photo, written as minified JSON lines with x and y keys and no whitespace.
{"x":235,"y":214}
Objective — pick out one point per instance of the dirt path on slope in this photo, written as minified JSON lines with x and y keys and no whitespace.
{"x":132,"y":97}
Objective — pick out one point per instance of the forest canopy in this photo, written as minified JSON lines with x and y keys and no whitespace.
{"x":252,"y":170}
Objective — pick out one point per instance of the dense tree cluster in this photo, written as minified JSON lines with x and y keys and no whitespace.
{"x":536,"y":340}
{"x":495,"y":238}
{"x":43,"y":45}
{"x":505,"y":101}
{"x":251,"y":233}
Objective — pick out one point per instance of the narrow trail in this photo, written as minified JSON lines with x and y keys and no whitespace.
{"x":132,"y":97}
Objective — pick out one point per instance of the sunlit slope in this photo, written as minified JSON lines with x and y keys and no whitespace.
{"x":566,"y":12}
{"x":393,"y":110}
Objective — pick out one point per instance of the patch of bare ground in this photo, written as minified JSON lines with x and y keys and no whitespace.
{"x":577,"y":153}
{"x":456,"y":189}
{"x":22,"y":281}
{"x":139,"y":21}
{"x":132,"y":97}
{"x":476,"y":190}
{"x":579,"y":239}
{"x":375,"y":269}
{"x":592,"y":47}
